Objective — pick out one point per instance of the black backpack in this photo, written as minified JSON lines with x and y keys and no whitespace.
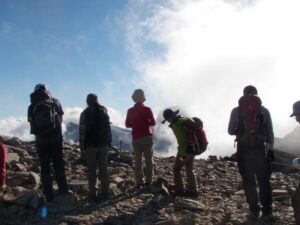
{"x":45,"y":116}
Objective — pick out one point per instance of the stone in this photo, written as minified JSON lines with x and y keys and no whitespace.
{"x":63,"y":203}
{"x":160,"y":186}
{"x":78,"y":219}
{"x":13,"y":157}
{"x":28,"y":199}
{"x":76,"y":183}
{"x":118,"y":180}
{"x":221,"y":197}
{"x":166,"y":222}
{"x":240,"y":192}
{"x":278,"y":192}
{"x":184,"y":203}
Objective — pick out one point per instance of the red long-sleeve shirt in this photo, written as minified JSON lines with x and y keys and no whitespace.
{"x":3,"y":156}
{"x":140,"y":118}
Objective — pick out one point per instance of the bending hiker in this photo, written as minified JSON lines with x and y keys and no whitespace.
{"x":45,"y":118}
{"x":140,"y":119}
{"x":3,"y":156}
{"x":95,"y":140}
{"x":251,"y":123}
{"x":296,"y":163}
{"x":178,"y":125}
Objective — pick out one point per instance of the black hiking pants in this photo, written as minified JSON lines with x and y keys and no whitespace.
{"x":254,"y":165}
{"x":52,"y":152}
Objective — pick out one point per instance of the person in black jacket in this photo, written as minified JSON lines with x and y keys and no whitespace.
{"x":45,"y":118}
{"x":296,"y":163}
{"x":95,"y":140}
{"x":254,"y":158}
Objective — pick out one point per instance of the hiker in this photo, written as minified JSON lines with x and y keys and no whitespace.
{"x":254,"y":150}
{"x":95,"y":141}
{"x":178,"y":125}
{"x":296,"y":163}
{"x":45,"y":118}
{"x":140,"y":119}
{"x":3,"y":157}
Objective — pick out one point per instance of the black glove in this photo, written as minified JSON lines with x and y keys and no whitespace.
{"x":271,"y":155}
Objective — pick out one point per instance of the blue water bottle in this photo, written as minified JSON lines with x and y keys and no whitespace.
{"x":44,"y":210}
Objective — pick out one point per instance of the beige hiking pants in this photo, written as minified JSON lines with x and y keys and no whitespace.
{"x":188,"y":162}
{"x":97,"y":158}
{"x":143,"y":145}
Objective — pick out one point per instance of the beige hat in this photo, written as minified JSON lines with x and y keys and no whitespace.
{"x":138,"y":96}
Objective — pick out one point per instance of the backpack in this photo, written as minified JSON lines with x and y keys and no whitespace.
{"x":201,"y":137}
{"x":250,"y":129}
{"x":196,"y":136}
{"x":45,"y":116}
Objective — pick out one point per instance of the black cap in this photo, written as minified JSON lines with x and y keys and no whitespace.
{"x":169,"y":113}
{"x":40,"y":87}
{"x":91,"y":99}
{"x":296,"y":109}
{"x":250,"y":90}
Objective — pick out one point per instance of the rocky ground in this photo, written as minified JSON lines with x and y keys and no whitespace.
{"x":221,"y":200}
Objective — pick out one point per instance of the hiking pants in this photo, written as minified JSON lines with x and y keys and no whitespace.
{"x":188,"y":162}
{"x":52,"y":152}
{"x":296,"y":205}
{"x":254,"y":163}
{"x":143,"y":145}
{"x":97,"y":158}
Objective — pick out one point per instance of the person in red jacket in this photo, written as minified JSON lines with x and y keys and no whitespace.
{"x":140,"y":119}
{"x":3,"y":156}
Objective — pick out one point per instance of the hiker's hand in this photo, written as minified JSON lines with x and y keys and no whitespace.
{"x":83,"y":151}
{"x":271,"y":155}
{"x":2,"y":192}
{"x":270,"y":146}
{"x":187,"y":158}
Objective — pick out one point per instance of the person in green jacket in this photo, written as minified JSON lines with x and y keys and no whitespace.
{"x":178,"y":124}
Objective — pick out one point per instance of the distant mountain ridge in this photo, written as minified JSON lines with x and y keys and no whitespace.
{"x":119,"y":135}
{"x":290,"y":143}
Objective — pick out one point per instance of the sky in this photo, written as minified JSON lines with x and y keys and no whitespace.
{"x":196,"y":55}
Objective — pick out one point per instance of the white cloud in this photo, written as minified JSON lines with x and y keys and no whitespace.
{"x":19,"y":127}
{"x":212,"y":49}
{"x":15,"y":127}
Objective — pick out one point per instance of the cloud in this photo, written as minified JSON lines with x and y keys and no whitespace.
{"x":19,"y":127}
{"x":15,"y":127}
{"x":210,"y":50}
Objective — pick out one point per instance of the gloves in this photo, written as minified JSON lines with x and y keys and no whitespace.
{"x":271,"y":155}
{"x":82,"y":150}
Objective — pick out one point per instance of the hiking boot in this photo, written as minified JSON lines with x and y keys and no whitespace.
{"x":253,"y":215}
{"x":193,"y":194}
{"x":268,"y":217}
{"x":92,"y":197}
{"x":147,"y":187}
{"x":104,"y":197}
{"x":139,"y":186}
{"x":179,"y":193}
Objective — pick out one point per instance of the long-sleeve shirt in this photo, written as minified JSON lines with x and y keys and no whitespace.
{"x":179,"y":127}
{"x":140,"y":119}
{"x":234,"y":118}
{"x":3,"y":156}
